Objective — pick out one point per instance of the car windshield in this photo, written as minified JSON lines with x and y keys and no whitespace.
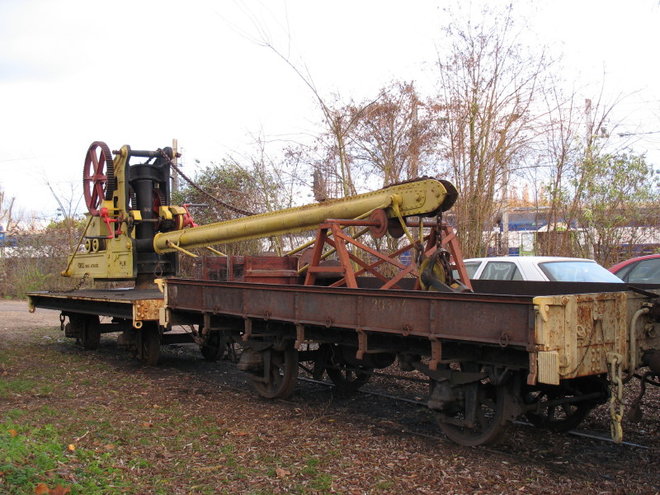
{"x":643,"y":272}
{"x":577,"y":271}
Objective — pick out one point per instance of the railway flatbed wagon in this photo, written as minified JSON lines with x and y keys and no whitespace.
{"x":343,"y":306}
{"x":489,"y":357}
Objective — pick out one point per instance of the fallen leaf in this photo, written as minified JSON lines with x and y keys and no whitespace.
{"x":240,"y":433}
{"x":41,"y":489}
{"x":13,"y":433}
{"x":210,"y":468}
{"x":282,"y":473}
{"x":109,"y":447}
{"x":60,"y":490}
{"x":71,"y":447}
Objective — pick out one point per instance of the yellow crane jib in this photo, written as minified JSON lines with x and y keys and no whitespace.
{"x":133,"y":232}
{"x":424,"y":197}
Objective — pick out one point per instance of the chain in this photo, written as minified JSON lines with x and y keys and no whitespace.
{"x":158,"y":270}
{"x":614,"y":375}
{"x":584,"y":354}
{"x":195,"y":186}
{"x":80,"y":283}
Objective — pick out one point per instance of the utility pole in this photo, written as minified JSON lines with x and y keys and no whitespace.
{"x":505,"y":215}
{"x":175,"y":160}
{"x":413,"y":159}
{"x":589,"y":126}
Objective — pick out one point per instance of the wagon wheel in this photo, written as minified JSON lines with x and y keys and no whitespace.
{"x":214,"y":347}
{"x":552,"y":414}
{"x":98,"y":176}
{"x":90,"y":337}
{"x":558,"y":417}
{"x":478,"y":416}
{"x":279,"y":375}
{"x":148,"y":343}
{"x":347,"y":379}
{"x":88,"y":330}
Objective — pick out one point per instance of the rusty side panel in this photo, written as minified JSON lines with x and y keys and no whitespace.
{"x":257,"y":269}
{"x":146,"y":309}
{"x":503,"y":320}
{"x":574,"y":333}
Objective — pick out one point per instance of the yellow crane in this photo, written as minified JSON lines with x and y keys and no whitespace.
{"x":132,"y":231}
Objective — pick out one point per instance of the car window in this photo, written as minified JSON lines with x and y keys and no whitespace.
{"x":471,"y":268}
{"x":623,"y":273}
{"x":577,"y":271}
{"x":644,"y":272}
{"x":500,"y":270}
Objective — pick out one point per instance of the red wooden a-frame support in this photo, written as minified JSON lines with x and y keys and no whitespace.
{"x":331,"y":233}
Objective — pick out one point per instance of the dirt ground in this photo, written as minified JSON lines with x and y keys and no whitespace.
{"x":189,"y":426}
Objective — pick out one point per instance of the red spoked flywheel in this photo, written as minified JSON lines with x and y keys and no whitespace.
{"x":98,"y":176}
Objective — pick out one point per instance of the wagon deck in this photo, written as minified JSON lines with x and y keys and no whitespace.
{"x":137,"y":305}
{"x":564,"y":336}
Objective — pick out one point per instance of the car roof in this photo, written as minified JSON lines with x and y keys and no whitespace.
{"x":622,"y":264}
{"x":530,"y":259}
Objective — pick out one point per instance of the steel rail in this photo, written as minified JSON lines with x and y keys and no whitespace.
{"x":576,"y":433}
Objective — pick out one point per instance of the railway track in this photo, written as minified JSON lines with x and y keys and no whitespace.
{"x":421,"y":383}
{"x":592,"y":435}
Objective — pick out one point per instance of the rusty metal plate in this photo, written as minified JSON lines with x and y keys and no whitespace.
{"x":112,"y":302}
{"x":581,"y":329}
{"x":502,"y":320}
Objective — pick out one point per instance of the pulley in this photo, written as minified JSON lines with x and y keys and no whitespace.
{"x":98,"y":176}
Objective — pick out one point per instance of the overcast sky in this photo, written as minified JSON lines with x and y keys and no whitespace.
{"x":142,"y":72}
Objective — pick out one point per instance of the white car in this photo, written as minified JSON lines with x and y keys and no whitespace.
{"x":540,"y":268}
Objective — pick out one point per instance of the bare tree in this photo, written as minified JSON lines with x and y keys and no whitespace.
{"x":489,"y":83}
{"x":560,"y":152}
{"x":7,"y":212}
{"x":396,"y":135}
{"x":339,"y":120}
{"x":278,"y":182}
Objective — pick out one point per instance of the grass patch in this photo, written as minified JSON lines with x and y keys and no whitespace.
{"x":5,"y":359}
{"x":311,"y":467}
{"x":383,"y":485}
{"x":12,"y":386}
{"x":14,"y":414}
{"x":33,"y":455}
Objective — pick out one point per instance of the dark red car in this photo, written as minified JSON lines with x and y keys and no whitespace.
{"x":640,"y":270}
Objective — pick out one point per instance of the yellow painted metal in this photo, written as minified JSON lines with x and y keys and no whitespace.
{"x":423,"y":197}
{"x":146,"y":310}
{"x":165,"y":212}
{"x":115,"y":260}
{"x":574,"y":334}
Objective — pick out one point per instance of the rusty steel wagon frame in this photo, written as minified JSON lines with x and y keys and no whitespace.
{"x":397,"y":312}
{"x":135,"y":305}
{"x":491,"y":357}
